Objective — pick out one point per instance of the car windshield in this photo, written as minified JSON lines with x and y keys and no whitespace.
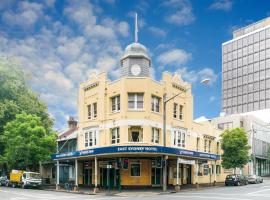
{"x":34,"y":175}
{"x":231,"y":176}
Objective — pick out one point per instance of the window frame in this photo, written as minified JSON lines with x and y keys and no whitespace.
{"x":175,"y":106}
{"x":179,"y":138}
{"x":155,"y":135}
{"x":115,"y":140}
{"x":116,"y":103}
{"x":136,"y":101}
{"x":181,"y":112}
{"x":90,"y":138}
{"x":155,"y":103}
{"x":132,"y":164}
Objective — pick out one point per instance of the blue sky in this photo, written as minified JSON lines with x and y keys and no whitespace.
{"x":59,"y":43}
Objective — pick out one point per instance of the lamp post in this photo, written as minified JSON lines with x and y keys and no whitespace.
{"x":165,"y":101}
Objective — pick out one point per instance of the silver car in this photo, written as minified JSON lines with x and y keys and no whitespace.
{"x":254,"y":179}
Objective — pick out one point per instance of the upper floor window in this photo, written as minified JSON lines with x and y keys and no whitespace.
{"x":155,"y":104}
{"x":95,"y":110}
{"x":135,"y":100}
{"x":89,"y":112}
{"x":209,"y":146}
{"x":179,"y":136}
{"x":155,"y":135}
{"x":135,"y":134}
{"x":115,"y":135}
{"x":181,"y":112}
{"x":115,"y":103}
{"x":92,"y":110}
{"x":206,"y":145}
{"x":90,"y":138}
{"x":175,"y":110}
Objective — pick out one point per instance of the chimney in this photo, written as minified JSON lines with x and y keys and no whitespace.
{"x":72,"y":123}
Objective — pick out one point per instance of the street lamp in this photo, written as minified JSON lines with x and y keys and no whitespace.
{"x":165,"y":101}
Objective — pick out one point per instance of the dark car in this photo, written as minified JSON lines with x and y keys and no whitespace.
{"x":3,"y":181}
{"x":236,"y":179}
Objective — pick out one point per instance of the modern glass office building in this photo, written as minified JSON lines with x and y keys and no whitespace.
{"x":246,"y":69}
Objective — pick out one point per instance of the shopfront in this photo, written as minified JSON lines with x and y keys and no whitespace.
{"x":132,"y":166}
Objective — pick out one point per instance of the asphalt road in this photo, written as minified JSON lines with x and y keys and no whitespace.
{"x":249,"y":192}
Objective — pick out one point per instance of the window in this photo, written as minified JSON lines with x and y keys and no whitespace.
{"x":155,"y":135}
{"x":135,"y":134}
{"x":155,"y":104}
{"x":89,"y":111}
{"x":135,"y":169}
{"x":181,"y":112}
{"x":198,"y":143}
{"x":175,"y":110}
{"x":115,"y":103}
{"x":135,"y":100}
{"x":179,"y":138}
{"x":95,"y":110}
{"x":90,"y":138}
{"x":115,"y":135}
{"x":209,"y":146}
{"x":218,"y":169}
{"x":205,"y":145}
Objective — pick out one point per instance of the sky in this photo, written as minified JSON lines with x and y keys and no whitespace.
{"x":60,"y":43}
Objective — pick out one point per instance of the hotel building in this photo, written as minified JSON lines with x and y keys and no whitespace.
{"x":120,"y":132}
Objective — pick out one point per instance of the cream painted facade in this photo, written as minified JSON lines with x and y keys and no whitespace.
{"x":120,"y":131}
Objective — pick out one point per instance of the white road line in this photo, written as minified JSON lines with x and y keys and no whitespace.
{"x":251,"y":193}
{"x":202,"y":197}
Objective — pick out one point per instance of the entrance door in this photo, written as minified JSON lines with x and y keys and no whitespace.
{"x":188,"y":174}
{"x":156,"y":176}
{"x":87,"y":180}
{"x":103,"y":177}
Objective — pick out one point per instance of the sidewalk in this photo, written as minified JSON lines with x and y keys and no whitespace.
{"x":133,"y":191}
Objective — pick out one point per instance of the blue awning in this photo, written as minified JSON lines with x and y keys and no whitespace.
{"x":135,"y":149}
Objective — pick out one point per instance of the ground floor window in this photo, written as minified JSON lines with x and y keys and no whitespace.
{"x":135,"y":169}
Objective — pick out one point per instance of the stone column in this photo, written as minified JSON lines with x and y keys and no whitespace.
{"x":57,"y":175}
{"x":76,"y":175}
{"x":96,"y":175}
{"x":196,"y":173}
{"x":215,"y":173}
{"x":177,"y":187}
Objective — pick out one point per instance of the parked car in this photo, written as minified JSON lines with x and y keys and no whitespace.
{"x":255,"y":179}
{"x":236,"y":179}
{"x":3,"y":180}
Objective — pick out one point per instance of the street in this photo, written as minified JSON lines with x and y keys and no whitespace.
{"x":249,"y":192}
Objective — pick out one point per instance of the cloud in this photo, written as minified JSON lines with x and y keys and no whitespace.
{"x":157,"y":31}
{"x":181,"y":12}
{"x":62,"y":52}
{"x":25,"y":15}
{"x":195,"y":76}
{"x":225,"y":5}
{"x":212,"y":98}
{"x":174,"y":57}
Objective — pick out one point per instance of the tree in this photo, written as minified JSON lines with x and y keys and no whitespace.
{"x":16,"y":97}
{"x":234,"y":144}
{"x":27,"y":142}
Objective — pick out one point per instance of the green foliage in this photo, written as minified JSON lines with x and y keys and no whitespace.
{"x":27,"y":142}
{"x":235,"y":148}
{"x":16,"y":97}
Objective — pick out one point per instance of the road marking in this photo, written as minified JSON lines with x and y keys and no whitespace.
{"x":202,"y":197}
{"x":251,"y":193}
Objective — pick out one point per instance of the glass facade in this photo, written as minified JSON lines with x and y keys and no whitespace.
{"x":246,"y":73}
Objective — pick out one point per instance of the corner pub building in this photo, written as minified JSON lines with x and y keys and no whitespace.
{"x":120,"y":132}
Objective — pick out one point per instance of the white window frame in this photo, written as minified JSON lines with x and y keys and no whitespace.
{"x":179,"y":137}
{"x":90,"y":137}
{"x":181,"y":112}
{"x":115,"y":103}
{"x":155,"y":135}
{"x":89,"y":111}
{"x":175,"y":106}
{"x":136,"y":101}
{"x":94,"y":109}
{"x":115,"y":131}
{"x":155,"y":103}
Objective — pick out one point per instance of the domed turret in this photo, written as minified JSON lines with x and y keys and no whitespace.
{"x":135,"y":61}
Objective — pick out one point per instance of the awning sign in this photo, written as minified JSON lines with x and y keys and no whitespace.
{"x":187,"y":162}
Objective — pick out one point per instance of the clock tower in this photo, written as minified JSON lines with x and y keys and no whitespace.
{"x":135,"y":61}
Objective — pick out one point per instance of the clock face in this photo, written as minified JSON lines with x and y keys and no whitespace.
{"x":135,"y":69}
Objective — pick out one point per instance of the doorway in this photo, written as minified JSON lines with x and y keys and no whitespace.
{"x":156,"y":176}
{"x":87,"y":180}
